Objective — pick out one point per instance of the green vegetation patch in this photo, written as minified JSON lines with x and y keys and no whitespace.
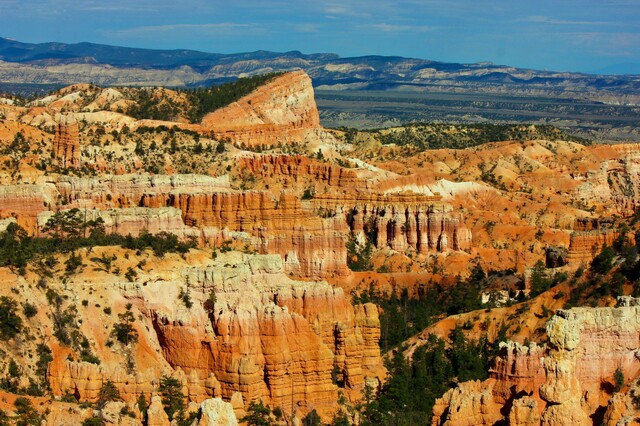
{"x":426,"y":136}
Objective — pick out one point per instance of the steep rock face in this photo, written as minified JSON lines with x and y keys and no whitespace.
{"x":216,"y":412}
{"x":251,"y":332}
{"x":127,"y":190}
{"x":293,"y":170}
{"x":402,"y":221}
{"x":66,"y":145}
{"x":134,"y":221}
{"x":524,"y":412}
{"x":608,"y":338}
{"x":588,"y":238}
{"x":281,"y":111}
{"x":310,"y":244}
{"x":616,"y":181}
{"x":565,"y":379}
{"x":25,"y":202}
{"x":562,"y":391}
{"x":518,"y":369}
{"x":271,"y":337}
{"x":468,"y":404}
{"x":156,"y":415}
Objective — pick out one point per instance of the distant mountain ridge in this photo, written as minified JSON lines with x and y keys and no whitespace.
{"x":62,"y":64}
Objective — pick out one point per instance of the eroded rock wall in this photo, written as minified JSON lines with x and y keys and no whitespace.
{"x":280,"y":112}
{"x":250,"y":330}
{"x":565,"y":382}
{"x":66,"y":144}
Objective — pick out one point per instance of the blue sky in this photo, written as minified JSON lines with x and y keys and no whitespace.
{"x":565,"y":35}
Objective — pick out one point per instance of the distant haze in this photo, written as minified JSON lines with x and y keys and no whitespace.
{"x":568,"y":35}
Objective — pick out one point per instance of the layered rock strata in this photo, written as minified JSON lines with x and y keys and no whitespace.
{"x":296,"y":170}
{"x":402,"y":222}
{"x":275,"y":338}
{"x":66,"y":144}
{"x":280,"y":112}
{"x":134,"y":221}
{"x":251,"y":331}
{"x":563,"y":382}
{"x":311,"y":245}
{"x":25,"y":202}
{"x":588,"y":238}
{"x":310,"y":235}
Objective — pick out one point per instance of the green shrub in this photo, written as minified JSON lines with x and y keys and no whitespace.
{"x":10,"y":322}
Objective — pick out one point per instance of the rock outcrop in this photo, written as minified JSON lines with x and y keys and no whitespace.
{"x":468,"y":404}
{"x":518,"y":369}
{"x":311,"y":245}
{"x":563,"y":383}
{"x":25,"y":202}
{"x":250,"y":331}
{"x":562,"y":390}
{"x":216,"y":412}
{"x":271,"y":337}
{"x":401,"y":221}
{"x":280,"y":112}
{"x":292,"y":171}
{"x":134,"y":221}
{"x":588,"y":238}
{"x":66,"y":145}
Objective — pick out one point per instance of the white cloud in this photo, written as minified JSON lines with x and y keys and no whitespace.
{"x":547,"y":20}
{"x":399,"y":28}
{"x":307,"y":28}
{"x":205,"y":28}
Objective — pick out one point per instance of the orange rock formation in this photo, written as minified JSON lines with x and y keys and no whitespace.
{"x":564,"y":381}
{"x":265,"y":336}
{"x":66,"y":145}
{"x":281,"y":111}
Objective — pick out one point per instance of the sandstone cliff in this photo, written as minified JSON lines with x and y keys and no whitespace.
{"x":251,"y":330}
{"x":280,"y":112}
{"x":564,"y":383}
{"x":66,"y":145}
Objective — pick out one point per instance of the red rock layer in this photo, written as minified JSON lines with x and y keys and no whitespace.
{"x":279,"y":345}
{"x":294,"y":170}
{"x":25,"y":202}
{"x":589,"y":237}
{"x":311,"y":245}
{"x":66,"y":144}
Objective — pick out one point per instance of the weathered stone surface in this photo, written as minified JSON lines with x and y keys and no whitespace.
{"x":108,"y":191}
{"x":66,"y":145}
{"x":84,"y":380}
{"x":134,"y":221}
{"x":281,"y":111}
{"x":296,"y":170}
{"x":585,"y":245}
{"x":586,"y":346}
{"x":556,"y":257}
{"x":468,"y":404}
{"x":518,"y":369}
{"x":216,"y":412}
{"x":156,"y":415}
{"x":524,"y":412}
{"x":24,"y":202}
{"x":265,"y":337}
{"x":270,"y":336}
{"x":311,"y":245}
